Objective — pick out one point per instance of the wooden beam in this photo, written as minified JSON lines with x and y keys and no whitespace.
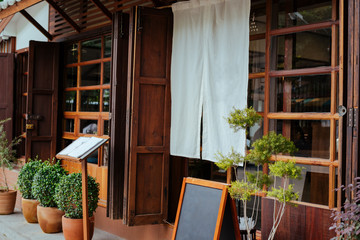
{"x":17,"y":7}
{"x":101,"y":6}
{"x":36,"y":24}
{"x":64,"y":15}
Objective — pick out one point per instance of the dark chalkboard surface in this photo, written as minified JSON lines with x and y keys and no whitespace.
{"x":205,"y":212}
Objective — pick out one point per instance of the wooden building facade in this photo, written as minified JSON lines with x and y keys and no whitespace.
{"x":106,"y":72}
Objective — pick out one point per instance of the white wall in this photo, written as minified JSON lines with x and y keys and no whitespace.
{"x":23,"y":30}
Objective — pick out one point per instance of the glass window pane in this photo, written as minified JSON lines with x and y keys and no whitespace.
{"x":107,"y":46}
{"x":90,"y":101}
{"x":91,"y":49}
{"x":106,"y":127}
{"x":302,"y":50}
{"x":106,"y":73}
{"x":258,"y":17}
{"x":296,"y":13}
{"x":256,"y":95}
{"x":310,"y":93}
{"x":66,"y":142}
{"x":70,"y":101}
{"x":254,"y":133}
{"x":72,"y":53}
{"x":105,"y":160}
{"x":88,"y":126}
{"x":257,"y":56}
{"x":313,"y":187}
{"x":93,"y":158}
{"x":90,"y":75}
{"x":69,"y":125}
{"x":106,"y":98}
{"x":311,"y":137}
{"x":71,"y":77}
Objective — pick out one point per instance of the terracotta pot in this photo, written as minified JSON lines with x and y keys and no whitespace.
{"x":49,"y":219}
{"x":29,"y":209}
{"x":73,"y":228}
{"x":7,"y":202}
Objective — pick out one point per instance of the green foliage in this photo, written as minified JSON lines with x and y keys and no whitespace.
{"x":242,"y":190}
{"x":272,"y":144}
{"x":7,"y":153}
{"x":227,"y":161}
{"x":259,"y":178}
{"x":243,"y":119}
{"x":283,"y":195}
{"x":44,"y":184}
{"x":68,"y":195}
{"x":285,"y":169}
{"x":26,"y":176}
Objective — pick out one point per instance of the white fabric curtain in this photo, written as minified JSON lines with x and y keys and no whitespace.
{"x":209,"y":75}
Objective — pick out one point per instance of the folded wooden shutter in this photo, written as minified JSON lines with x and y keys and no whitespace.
{"x":42,"y":100}
{"x":150,"y":121}
{"x":7,"y":91}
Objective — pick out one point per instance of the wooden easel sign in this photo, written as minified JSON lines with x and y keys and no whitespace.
{"x":205,"y":211}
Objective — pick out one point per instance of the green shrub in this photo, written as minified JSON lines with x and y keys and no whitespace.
{"x":45,"y":182}
{"x":26,"y":176}
{"x":68,"y":195}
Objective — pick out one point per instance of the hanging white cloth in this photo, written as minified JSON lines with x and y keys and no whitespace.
{"x":209,"y":75}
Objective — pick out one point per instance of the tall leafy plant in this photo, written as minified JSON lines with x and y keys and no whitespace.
{"x":252,"y":183}
{"x":7,"y":153}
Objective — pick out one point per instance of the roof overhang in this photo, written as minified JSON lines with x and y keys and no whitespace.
{"x":17,"y":7}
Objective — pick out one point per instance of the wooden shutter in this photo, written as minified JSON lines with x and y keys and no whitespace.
{"x":42,"y":100}
{"x":150,"y":122}
{"x":7,"y":91}
{"x":119,"y":130}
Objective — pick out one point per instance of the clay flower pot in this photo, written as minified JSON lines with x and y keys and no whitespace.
{"x":73,"y":228}
{"x":29,"y":209}
{"x":49,"y":219}
{"x":7,"y":202}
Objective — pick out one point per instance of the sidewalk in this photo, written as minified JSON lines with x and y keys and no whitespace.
{"x":15,"y":227}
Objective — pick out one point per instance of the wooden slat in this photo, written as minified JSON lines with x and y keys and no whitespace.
{"x":64,"y":15}
{"x":302,"y":116}
{"x":103,"y":9}
{"x":304,"y":71}
{"x":306,"y":160}
{"x":302,"y":28}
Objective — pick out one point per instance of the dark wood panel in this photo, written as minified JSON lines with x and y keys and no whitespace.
{"x":302,"y":222}
{"x":151,"y":115}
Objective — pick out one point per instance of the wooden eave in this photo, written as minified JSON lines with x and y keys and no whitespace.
{"x":17,"y":7}
{"x":5,"y":22}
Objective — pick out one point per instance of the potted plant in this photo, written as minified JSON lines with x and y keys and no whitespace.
{"x":68,"y":196}
{"x":43,"y":189}
{"x":24,"y":182}
{"x":252,"y":183}
{"x":347,"y":221}
{"x":7,"y":160}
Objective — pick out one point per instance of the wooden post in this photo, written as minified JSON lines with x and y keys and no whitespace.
{"x":85,"y":205}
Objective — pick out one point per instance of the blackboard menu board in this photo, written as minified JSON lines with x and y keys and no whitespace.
{"x":205,"y":212}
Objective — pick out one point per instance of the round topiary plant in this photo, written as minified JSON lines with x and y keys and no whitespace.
{"x":68,"y":195}
{"x":45,"y":182}
{"x":26,"y":176}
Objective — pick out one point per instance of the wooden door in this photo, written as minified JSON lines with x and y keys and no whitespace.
{"x":7,"y":91}
{"x":42,"y":100}
{"x":148,"y":174}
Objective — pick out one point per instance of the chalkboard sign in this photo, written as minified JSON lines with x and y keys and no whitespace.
{"x":205,"y":212}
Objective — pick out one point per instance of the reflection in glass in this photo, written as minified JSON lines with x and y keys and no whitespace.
{"x":91,"y":49}
{"x":88,"y":126}
{"x":257,"y":56}
{"x":71,"y":77}
{"x":70,"y":101}
{"x":311,"y":137}
{"x":90,"y":74}
{"x":257,"y":22}
{"x":105,"y":160}
{"x":69,"y":125}
{"x":66,"y":142}
{"x":302,"y":12}
{"x":107,"y":46}
{"x":106,"y":97}
{"x":93,"y":158}
{"x":106,"y":127}
{"x":256,"y":94}
{"x":310,"y":93}
{"x":254,"y":133}
{"x":303,"y":49}
{"x":90,"y":101}
{"x":72,"y":53}
{"x":313,"y":187}
{"x":106,"y":73}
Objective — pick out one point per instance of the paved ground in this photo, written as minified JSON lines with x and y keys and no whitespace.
{"x":15,"y":227}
